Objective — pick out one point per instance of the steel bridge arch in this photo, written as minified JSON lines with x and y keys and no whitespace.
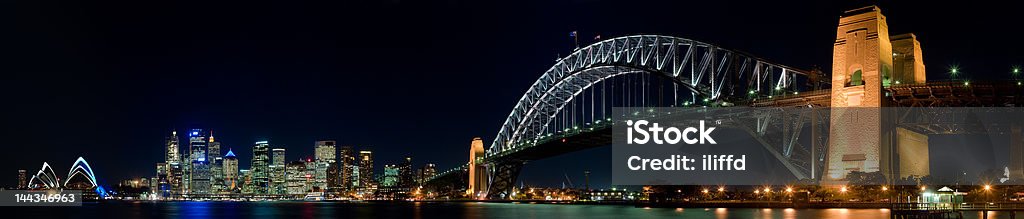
{"x":704,"y":69}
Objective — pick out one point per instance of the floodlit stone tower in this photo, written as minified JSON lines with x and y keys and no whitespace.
{"x":477,"y":171}
{"x":861,"y":66}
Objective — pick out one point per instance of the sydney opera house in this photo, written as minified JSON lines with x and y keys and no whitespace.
{"x":79,"y":177}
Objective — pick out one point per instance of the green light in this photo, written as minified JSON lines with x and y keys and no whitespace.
{"x":778,"y":88}
{"x":1016,"y":70}
{"x":751,"y":91}
{"x":795,"y":93}
{"x":1018,"y":83}
{"x":954,"y":70}
{"x":769,"y":96}
{"x":897,"y":82}
{"x":705,"y":99}
{"x":967,"y":83}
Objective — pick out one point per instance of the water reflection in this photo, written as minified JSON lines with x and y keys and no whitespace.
{"x":425,"y":210}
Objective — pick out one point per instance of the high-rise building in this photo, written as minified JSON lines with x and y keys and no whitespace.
{"x":428,"y":171}
{"x":333,"y":181}
{"x":230,"y":168}
{"x":345,"y":165}
{"x":391,"y":178}
{"x":161,"y":186}
{"x":176,"y":179}
{"x":296,"y":177}
{"x":216,"y":166}
{"x":200,"y":176}
{"x":22,"y":181}
{"x":245,"y":178}
{"x":309,"y":185}
{"x":278,"y":184}
{"x":406,"y":175}
{"x":172,"y":153}
{"x":366,"y":170}
{"x":260,"y":167}
{"x":173,"y":159}
{"x":324,"y":157}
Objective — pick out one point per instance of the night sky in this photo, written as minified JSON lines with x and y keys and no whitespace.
{"x":108,"y":80}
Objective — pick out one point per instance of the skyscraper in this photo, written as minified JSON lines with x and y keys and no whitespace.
{"x":429,"y":170}
{"x":366,"y":182}
{"x":172,"y":153}
{"x":216,"y":166}
{"x":391,"y":176}
{"x":162,"y":186}
{"x":345,"y":165}
{"x":324,"y":157}
{"x":200,"y":170}
{"x":278,"y":184}
{"x":231,"y":182}
{"x":296,"y":177}
{"x":260,"y":167}
{"x":172,"y":158}
{"x":406,"y":175}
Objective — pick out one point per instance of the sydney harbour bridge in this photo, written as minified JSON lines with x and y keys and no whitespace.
{"x":569,"y":107}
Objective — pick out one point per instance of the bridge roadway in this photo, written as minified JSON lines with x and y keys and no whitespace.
{"x":931,"y":94}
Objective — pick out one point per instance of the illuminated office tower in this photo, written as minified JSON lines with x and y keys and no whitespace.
{"x":230,"y":169}
{"x":354,"y":181}
{"x":173,"y":159}
{"x":278,"y":185}
{"x":310,"y":176}
{"x":333,"y":181}
{"x":406,"y":175}
{"x":391,"y":177}
{"x":176,"y":179}
{"x":216,"y":166}
{"x":366,"y":181}
{"x":161,"y":186}
{"x":172,"y":153}
{"x":260,"y":167}
{"x":200,"y":170}
{"x":296,"y":177}
{"x":324,"y":157}
{"x":345,"y":165}
{"x":245,"y":179}
{"x":22,"y":181}
{"x":428,"y":171}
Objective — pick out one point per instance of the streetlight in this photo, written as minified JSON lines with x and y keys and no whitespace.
{"x":721,"y":189}
{"x":924,"y":188}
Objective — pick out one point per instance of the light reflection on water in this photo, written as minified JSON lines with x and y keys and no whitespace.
{"x":311,"y":210}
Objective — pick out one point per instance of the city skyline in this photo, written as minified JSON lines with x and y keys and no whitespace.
{"x":204,"y":79}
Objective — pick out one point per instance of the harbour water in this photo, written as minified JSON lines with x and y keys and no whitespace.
{"x":418,"y":210}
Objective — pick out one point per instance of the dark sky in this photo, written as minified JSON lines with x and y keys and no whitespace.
{"x":108,"y":80}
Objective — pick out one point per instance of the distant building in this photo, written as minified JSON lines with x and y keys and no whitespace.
{"x":346,"y":165}
{"x":406,"y":175}
{"x":324,"y":157}
{"x":428,"y":171}
{"x":175,"y":172}
{"x":390,"y":176}
{"x":260,"y":168}
{"x":296,"y":177}
{"x":366,"y":182}
{"x":22,"y":181}
{"x":231,"y":182}
{"x":200,"y":176}
{"x":162,"y":187}
{"x":216,"y":166}
{"x":278,"y":184}
{"x":245,"y":177}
